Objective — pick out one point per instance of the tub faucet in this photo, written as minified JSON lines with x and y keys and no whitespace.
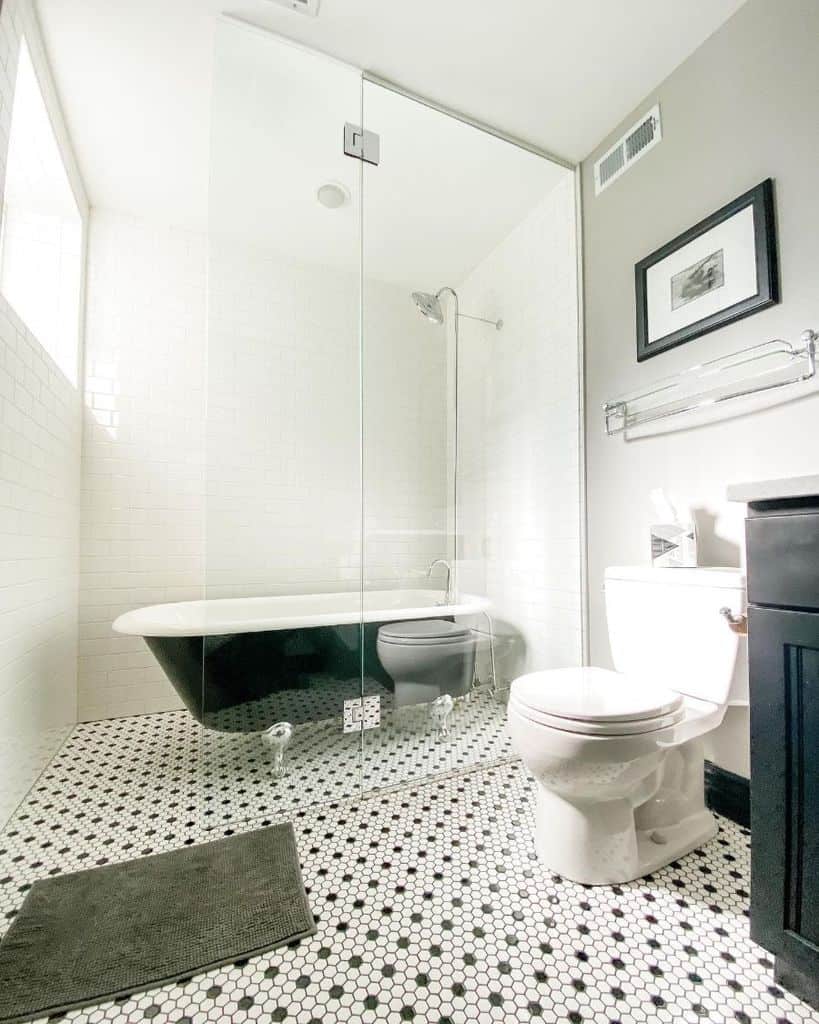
{"x":448,"y":567}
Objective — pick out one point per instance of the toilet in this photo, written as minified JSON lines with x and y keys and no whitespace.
{"x":426,"y":658}
{"x":617,"y":757}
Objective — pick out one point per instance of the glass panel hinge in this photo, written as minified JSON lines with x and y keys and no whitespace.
{"x":361,"y":144}
{"x":362,"y":714}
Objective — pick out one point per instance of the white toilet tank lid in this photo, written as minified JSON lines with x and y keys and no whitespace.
{"x":725,"y":577}
{"x":592,"y":695}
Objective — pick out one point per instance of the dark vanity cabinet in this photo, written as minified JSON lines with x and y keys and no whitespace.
{"x":782,"y":535}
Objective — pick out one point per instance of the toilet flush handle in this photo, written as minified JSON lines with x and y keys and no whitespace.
{"x":736,"y":623}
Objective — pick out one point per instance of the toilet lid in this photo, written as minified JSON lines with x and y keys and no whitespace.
{"x":593,"y":695}
{"x":420,"y":630}
{"x":609,"y":728}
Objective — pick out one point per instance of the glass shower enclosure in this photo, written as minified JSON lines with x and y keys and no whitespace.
{"x":392,"y":526}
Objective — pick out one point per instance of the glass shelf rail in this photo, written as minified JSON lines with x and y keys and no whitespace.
{"x":760,"y":368}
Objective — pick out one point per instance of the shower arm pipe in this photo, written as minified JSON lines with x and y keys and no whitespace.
{"x":497,"y":324}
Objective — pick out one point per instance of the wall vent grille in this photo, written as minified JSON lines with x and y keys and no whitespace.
{"x":640,"y":138}
{"x":308,"y":7}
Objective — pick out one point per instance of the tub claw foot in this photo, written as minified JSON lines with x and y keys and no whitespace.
{"x":439,"y":711}
{"x":278,"y":738}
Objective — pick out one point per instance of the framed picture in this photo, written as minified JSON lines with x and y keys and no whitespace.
{"x":720,"y":270}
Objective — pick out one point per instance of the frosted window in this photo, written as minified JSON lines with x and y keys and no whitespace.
{"x":41,"y":233}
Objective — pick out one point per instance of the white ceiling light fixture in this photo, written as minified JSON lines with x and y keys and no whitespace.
{"x":308,"y":7}
{"x":333,"y":195}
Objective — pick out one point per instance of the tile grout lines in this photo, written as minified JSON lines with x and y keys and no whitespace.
{"x":431,"y":904}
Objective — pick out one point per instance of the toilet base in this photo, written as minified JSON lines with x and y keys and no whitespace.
{"x":599,"y":844}
{"x":409,"y":694}
{"x":679,"y":840}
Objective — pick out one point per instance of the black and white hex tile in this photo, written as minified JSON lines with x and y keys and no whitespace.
{"x":430,"y":903}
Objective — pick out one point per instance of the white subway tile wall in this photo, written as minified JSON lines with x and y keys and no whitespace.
{"x":231,"y":467}
{"x":142,"y":530}
{"x":406,"y":391}
{"x":519,"y":489}
{"x":283,"y":447}
{"x":40,"y":436}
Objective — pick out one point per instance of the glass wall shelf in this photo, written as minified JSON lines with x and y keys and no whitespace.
{"x":764,"y":367}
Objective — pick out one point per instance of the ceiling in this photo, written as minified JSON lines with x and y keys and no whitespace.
{"x":135,"y":76}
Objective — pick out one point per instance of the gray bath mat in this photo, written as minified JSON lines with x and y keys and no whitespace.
{"x":84,"y":938}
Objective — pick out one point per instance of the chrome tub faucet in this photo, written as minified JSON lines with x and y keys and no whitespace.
{"x":432,"y":565}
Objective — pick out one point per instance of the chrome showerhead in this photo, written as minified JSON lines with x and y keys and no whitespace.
{"x":429,"y":306}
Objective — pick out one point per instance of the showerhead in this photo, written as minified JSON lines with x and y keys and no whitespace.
{"x":429,"y":306}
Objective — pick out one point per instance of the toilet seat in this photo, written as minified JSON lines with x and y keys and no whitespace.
{"x":630,"y":728}
{"x":595,"y":702}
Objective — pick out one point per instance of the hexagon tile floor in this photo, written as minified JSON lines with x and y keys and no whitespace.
{"x":430,"y":903}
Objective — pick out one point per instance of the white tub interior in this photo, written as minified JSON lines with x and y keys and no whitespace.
{"x":299,"y":611}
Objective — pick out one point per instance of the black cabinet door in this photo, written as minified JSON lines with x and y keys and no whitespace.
{"x":784,"y":680}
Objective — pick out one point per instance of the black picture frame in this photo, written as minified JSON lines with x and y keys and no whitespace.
{"x":761,"y":198}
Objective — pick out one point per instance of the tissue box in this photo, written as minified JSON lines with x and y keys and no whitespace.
{"x":673,"y":545}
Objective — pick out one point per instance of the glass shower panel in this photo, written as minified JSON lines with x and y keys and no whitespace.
{"x":470,"y":452}
{"x":280,"y":652}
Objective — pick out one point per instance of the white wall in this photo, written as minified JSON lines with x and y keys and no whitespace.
{"x":143,"y":451}
{"x":733,"y":114}
{"x":40,"y":430}
{"x":232,"y":468}
{"x":519,"y":488}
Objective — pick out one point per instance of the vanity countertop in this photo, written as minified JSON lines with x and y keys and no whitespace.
{"x":771,"y":490}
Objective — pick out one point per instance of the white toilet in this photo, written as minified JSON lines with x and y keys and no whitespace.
{"x":618,"y":756}
{"x":427,"y":658}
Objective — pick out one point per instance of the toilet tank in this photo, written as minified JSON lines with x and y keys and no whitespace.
{"x":665,"y":627}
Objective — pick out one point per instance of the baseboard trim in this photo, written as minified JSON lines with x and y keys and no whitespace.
{"x":728,"y":794}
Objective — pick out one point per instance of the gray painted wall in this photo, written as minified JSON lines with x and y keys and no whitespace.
{"x":742,"y":108}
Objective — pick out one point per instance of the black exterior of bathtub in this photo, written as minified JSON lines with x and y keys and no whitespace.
{"x":244,"y":682}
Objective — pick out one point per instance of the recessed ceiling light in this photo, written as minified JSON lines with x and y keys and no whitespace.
{"x":332,"y":195}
